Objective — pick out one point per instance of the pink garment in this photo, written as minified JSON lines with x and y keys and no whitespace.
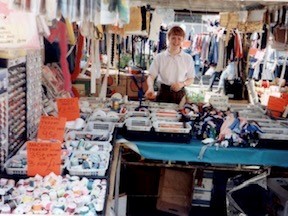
{"x":225,"y":128}
{"x":60,"y":33}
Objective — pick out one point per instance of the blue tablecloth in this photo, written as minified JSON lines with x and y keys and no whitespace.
{"x":190,"y":153}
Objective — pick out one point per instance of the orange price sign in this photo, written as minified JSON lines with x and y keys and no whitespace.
{"x":51,"y":128}
{"x":43,"y":158}
{"x":68,"y":108}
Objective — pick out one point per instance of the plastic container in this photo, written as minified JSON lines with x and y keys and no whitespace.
{"x":88,"y":146}
{"x":22,"y":169}
{"x":100,"y":166}
{"x":165,"y":113}
{"x":104,"y":136}
{"x":154,"y":118}
{"x":138,"y":124}
{"x":110,"y":116}
{"x":96,"y":126}
{"x":172,"y":127}
{"x":138,"y":114}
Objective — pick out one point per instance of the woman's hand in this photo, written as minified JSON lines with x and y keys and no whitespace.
{"x":177,"y":86}
{"x":150,"y":94}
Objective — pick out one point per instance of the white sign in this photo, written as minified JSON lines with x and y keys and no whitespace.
{"x":18,"y":30}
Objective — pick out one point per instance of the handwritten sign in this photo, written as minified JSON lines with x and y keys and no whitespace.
{"x":51,"y":128}
{"x":43,"y":158}
{"x":68,"y":108}
{"x":20,"y":34}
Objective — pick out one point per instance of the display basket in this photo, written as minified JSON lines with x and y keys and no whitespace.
{"x":103,"y":136}
{"x":81,"y":145}
{"x":138,"y":124}
{"x":153,"y":136}
{"x":114,"y":117}
{"x":165,"y":113}
{"x":23,"y":169}
{"x":155,"y":118}
{"x":96,"y":126}
{"x":23,"y":150}
{"x":135,"y":114}
{"x":78,"y":170}
{"x":172,"y":127}
{"x":273,"y":138}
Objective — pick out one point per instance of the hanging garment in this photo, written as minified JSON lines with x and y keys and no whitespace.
{"x":162,"y":45}
{"x":213,"y":53}
{"x":269,"y":65}
{"x":238,"y":49}
{"x":51,"y":10}
{"x":107,"y":17}
{"x":155,"y":26}
{"x":60,"y":32}
{"x":221,"y":55}
{"x":135,"y":24}
{"x":205,"y":48}
{"x":124,"y":12}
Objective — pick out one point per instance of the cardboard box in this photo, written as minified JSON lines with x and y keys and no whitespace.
{"x":83,"y":86}
{"x":81,"y":89}
{"x":115,"y":78}
{"x":175,"y":191}
{"x":113,"y":89}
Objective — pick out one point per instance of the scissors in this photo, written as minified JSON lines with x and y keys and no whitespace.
{"x":98,"y":33}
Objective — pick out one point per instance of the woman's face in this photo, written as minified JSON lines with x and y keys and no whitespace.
{"x":175,"y":41}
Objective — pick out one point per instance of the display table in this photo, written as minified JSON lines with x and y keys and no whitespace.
{"x":187,"y":156}
{"x":191,"y":152}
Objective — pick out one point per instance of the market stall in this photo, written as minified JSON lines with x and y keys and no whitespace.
{"x":73,"y":77}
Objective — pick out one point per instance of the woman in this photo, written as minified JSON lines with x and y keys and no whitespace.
{"x":173,"y":68}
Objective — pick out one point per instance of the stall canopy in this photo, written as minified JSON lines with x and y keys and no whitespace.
{"x":210,"y":5}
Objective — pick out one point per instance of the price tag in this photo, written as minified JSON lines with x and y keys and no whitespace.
{"x":43,"y":158}
{"x":68,"y":108}
{"x":51,"y":128}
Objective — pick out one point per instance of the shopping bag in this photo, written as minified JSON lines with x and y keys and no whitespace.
{"x":234,"y":88}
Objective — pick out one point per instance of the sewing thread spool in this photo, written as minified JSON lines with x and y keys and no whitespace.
{"x":115,"y":104}
{"x":53,"y":194}
{"x":83,"y":210}
{"x":6,"y":209}
{"x":71,"y":208}
{"x":3,"y":181}
{"x":37,"y":207}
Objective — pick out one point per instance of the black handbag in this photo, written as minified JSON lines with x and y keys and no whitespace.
{"x":234,"y":88}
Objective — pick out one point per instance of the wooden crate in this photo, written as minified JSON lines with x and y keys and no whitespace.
{"x":175,"y":191}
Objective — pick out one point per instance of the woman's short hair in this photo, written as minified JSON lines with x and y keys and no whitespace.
{"x":176,"y":30}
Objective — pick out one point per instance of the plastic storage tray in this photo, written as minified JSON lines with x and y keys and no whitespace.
{"x":138,"y":114}
{"x":109,"y":116}
{"x":154,"y":118}
{"x":138,"y":124}
{"x":168,"y":113}
{"x":172,"y":127}
{"x":81,"y":145}
{"x":104,"y":136}
{"x":23,"y":169}
{"x":102,"y":163}
{"x":96,"y":126}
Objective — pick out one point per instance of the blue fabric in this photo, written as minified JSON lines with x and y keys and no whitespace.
{"x":231,"y":155}
{"x":196,"y":59}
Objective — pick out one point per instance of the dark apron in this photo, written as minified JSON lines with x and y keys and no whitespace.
{"x":165,"y":94}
